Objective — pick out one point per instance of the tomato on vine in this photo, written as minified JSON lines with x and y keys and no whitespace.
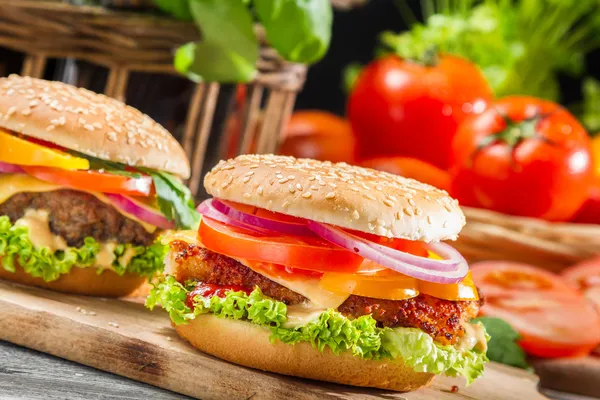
{"x":523,"y":156}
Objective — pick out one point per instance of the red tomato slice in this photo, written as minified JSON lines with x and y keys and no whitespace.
{"x":95,"y":181}
{"x":499,"y":278}
{"x":585,"y":276}
{"x":305,"y":253}
{"x":552,"y":317}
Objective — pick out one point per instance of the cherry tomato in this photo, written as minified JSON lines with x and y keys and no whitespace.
{"x":94,"y":181}
{"x":585,"y":276}
{"x":411,"y":168}
{"x":297,"y":252}
{"x":404,"y":108}
{"x":319,"y":135}
{"x":553,"y":318}
{"x":523,"y":156}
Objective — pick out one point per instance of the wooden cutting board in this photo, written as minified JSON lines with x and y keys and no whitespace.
{"x":124,"y":338}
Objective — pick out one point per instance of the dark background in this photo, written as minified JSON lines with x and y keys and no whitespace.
{"x":355,"y":34}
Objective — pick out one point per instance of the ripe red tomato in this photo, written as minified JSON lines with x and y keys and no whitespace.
{"x":404,"y":108}
{"x":319,"y":135}
{"x":523,"y":156}
{"x":553,"y":318}
{"x":411,"y":168}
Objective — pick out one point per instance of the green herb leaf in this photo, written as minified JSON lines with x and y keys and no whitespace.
{"x":174,"y":199}
{"x":179,"y":9}
{"x":332,"y":330}
{"x":228,"y":51}
{"x":300,"y":30}
{"x":503,"y":347}
{"x":16,"y":248}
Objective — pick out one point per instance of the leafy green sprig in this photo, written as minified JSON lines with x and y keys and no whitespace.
{"x":300,"y":31}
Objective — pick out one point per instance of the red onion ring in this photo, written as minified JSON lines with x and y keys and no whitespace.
{"x":10,"y":168}
{"x":417,"y":267}
{"x":259,"y":222}
{"x":207,"y":208}
{"x":130,"y":206}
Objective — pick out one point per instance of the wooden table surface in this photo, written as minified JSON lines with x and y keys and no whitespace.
{"x":32,"y":375}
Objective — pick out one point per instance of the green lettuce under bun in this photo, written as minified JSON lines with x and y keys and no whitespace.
{"x":16,"y":249}
{"x":360,"y":336}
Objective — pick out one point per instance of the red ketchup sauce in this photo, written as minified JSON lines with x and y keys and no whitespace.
{"x":210,"y":290}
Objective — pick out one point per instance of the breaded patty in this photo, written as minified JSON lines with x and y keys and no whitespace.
{"x":75,"y":215}
{"x":441,"y":319}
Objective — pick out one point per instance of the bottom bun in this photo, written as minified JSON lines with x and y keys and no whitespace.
{"x":248,"y":344}
{"x":84,"y":281}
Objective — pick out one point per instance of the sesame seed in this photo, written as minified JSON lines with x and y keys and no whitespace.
{"x":355,"y":215}
{"x":322,"y":183}
{"x":97,"y":125}
{"x":370,"y":196}
{"x":380,"y":222}
{"x":279,"y":176}
{"x":285,"y":204}
{"x":291,"y":177}
{"x":26,"y":111}
{"x":247,"y":195}
{"x":246,"y":179}
{"x":354,"y":189}
{"x":283,"y":180}
{"x":298,"y":186}
{"x":398,"y":215}
{"x":312,"y":178}
{"x":291,"y":188}
{"x":228,"y":167}
{"x":379,"y":187}
{"x":50,"y":128}
{"x":392,"y":198}
{"x":429,"y":220}
{"x":330,"y":195}
{"x":445,"y":225}
{"x":11,"y":111}
{"x":447,"y":207}
{"x":33,"y":103}
{"x":407,"y":212}
{"x":313,"y":187}
{"x":113,"y":324}
{"x":259,"y":190}
{"x":307,"y":195}
{"x":388,"y":203}
{"x":249,"y":173}
{"x":418,"y":211}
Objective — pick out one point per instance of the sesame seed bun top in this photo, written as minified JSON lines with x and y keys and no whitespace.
{"x":90,"y":123}
{"x":339,"y":194}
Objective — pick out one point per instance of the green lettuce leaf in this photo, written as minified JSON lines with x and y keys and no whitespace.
{"x":16,"y":248}
{"x":361,"y":336}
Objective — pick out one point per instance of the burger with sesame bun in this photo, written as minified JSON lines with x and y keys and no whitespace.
{"x":325,"y":271}
{"x":86,"y":185}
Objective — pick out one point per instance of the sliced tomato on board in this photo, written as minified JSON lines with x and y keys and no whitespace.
{"x":553,"y":318}
{"x":95,"y":181}
{"x":585,"y":276}
{"x":306,"y":253}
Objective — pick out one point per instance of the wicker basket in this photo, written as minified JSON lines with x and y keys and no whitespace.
{"x":127,"y":43}
{"x":493,"y":236}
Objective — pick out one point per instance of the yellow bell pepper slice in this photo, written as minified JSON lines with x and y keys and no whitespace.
{"x":15,"y":150}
